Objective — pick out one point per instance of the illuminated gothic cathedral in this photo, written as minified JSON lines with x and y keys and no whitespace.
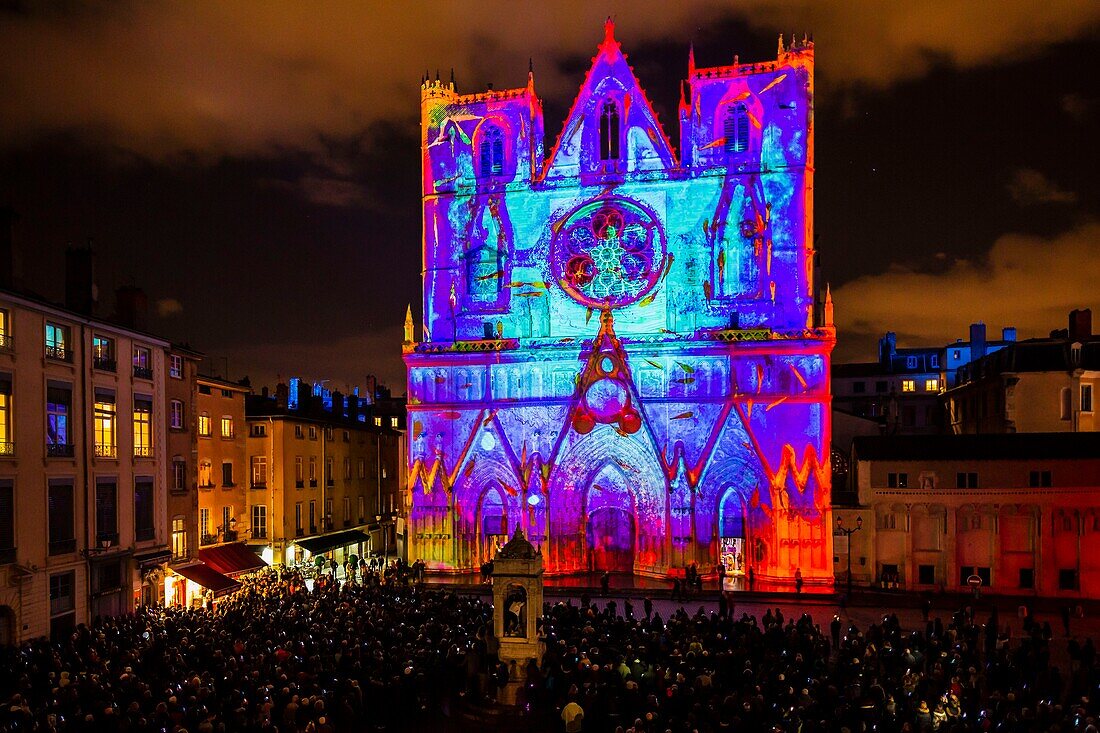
{"x":619,"y":352}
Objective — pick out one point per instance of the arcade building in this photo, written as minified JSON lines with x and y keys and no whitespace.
{"x":621,"y":350}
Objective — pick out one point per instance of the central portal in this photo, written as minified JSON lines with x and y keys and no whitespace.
{"x":611,"y":529}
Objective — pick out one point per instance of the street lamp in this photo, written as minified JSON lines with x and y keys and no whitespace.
{"x":848,"y":533}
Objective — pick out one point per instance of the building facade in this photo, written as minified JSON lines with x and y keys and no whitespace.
{"x":324,"y":479}
{"x":83,"y":474}
{"x":182,"y":454}
{"x":1019,"y":511}
{"x":1046,"y":385}
{"x":619,"y":352}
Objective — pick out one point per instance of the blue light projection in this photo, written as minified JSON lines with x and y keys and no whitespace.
{"x":618,"y":350}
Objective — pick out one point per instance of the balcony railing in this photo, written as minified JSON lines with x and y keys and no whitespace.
{"x":299,"y":484}
{"x":259,"y":534}
{"x":106,"y":451}
{"x":206,"y":486}
{"x":141,"y":534}
{"x":313,"y":483}
{"x":7,"y":555}
{"x":104,"y":539}
{"x":59,"y":353}
{"x":7,"y":449}
{"x":143,"y":372}
{"x":208,"y":539}
{"x":7,"y":343}
{"x":259,"y":484}
{"x":63,"y":547}
{"x":59,"y":450}
{"x":143,"y":451}
{"x":104,"y":363}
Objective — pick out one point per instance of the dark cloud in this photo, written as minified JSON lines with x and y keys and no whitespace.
{"x":1029,"y":186}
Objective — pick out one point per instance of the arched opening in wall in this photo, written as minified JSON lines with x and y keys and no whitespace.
{"x":491,"y":151}
{"x":493,"y":525}
{"x":732,"y":550}
{"x":609,"y":130}
{"x":736,"y":128}
{"x":611,"y":529}
{"x":7,"y":626}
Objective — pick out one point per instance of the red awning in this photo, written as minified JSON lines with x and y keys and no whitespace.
{"x":232,"y":559}
{"x":208,"y":578}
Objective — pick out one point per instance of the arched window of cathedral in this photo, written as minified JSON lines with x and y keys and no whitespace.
{"x":609,"y":131}
{"x":491,"y":151}
{"x":736,"y":128}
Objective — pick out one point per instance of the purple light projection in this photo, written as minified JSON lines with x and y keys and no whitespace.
{"x":618,"y":352}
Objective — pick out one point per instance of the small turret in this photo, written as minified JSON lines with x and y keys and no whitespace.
{"x":409,"y":335}
{"x":828,"y":306}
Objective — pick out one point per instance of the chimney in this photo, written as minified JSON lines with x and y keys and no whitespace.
{"x":80,"y":289}
{"x":977,"y":341}
{"x":131,"y":307}
{"x":887,"y":347}
{"x":1008,"y":334}
{"x":8,"y":217}
{"x":1080,"y":324}
{"x":282,"y":392}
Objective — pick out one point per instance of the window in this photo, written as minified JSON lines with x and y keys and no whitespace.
{"x":347,"y":510}
{"x":179,"y":539}
{"x":259,"y":472}
{"x":58,"y":401}
{"x":890,"y":521}
{"x":362,"y":509}
{"x":204,"y":389}
{"x":966,"y":480}
{"x":298,"y":433}
{"x":60,"y":509}
{"x":175,"y":366}
{"x":144,"y":527}
{"x":859,"y":387}
{"x":103,"y":353}
{"x":1068,"y":523}
{"x":736,"y":128}
{"x":206,"y":474}
{"x":908,"y":385}
{"x":378,"y":422}
{"x":227,"y":473}
{"x":103,"y":424}
{"x":1027,"y":578}
{"x":57,"y":342}
{"x":143,"y":426}
{"x":61,"y":593}
{"x":7,"y":447}
{"x":204,"y":424}
{"x":1039,"y":479}
{"x":975,"y":521}
{"x":175,"y":415}
{"x":204,"y":525}
{"x":347,"y":468}
{"x":106,"y":513}
{"x":313,"y":432}
{"x":259,"y":521}
{"x":328,"y":434}
{"x":926,"y":574}
{"x":609,"y":131}
{"x":313,"y":470}
{"x":179,"y":474}
{"x":347,"y":437}
{"x":227,"y":393}
{"x":956,"y":354}
{"x":299,"y":473}
{"x":931,"y":385}
{"x":1086,"y":398}
{"x":362,"y":468}
{"x":328,"y":472}
{"x":5,"y":329}
{"x":1067,"y":579}
{"x":491,"y":151}
{"x":910,"y":362}
{"x":7,"y":521}
{"x":897,"y":480}
{"x":228,"y":527}
{"x":934,"y":361}
{"x":328,"y":514}
{"x":312,"y":516}
{"x":227,"y":426}
{"x":298,"y":518}
{"x":393,"y":421}
{"x":143,"y":363}
{"x":257,"y":430}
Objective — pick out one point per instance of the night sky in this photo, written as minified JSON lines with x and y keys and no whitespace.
{"x":255,"y":166}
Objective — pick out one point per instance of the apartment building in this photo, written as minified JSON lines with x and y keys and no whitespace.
{"x":182,"y":455}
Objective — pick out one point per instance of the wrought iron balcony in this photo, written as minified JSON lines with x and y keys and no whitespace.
{"x":259,"y":484}
{"x":7,"y":449}
{"x":143,"y":372}
{"x":59,"y":353}
{"x":104,"y":363}
{"x":63,"y":547}
{"x":7,"y":343}
{"x":143,"y":451}
{"x":207,"y":486}
{"x":59,"y":450}
{"x":106,"y":451}
{"x":208,"y":539}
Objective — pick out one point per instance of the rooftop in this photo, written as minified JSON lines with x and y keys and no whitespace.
{"x":988,"y":447}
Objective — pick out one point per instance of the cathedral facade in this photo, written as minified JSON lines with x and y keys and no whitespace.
{"x":620,"y":352}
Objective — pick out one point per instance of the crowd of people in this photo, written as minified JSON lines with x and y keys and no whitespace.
{"x":390,"y":654}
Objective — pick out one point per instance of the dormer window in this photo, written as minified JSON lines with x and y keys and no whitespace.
{"x":609,"y":131}
{"x":737,"y":128}
{"x":492,"y":151}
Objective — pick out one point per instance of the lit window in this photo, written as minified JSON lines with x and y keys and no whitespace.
{"x":57,"y":342}
{"x":103,"y":353}
{"x":378,"y":421}
{"x":58,"y":401}
{"x":4,"y":332}
{"x":204,"y":424}
{"x":143,"y":363}
{"x":175,"y":366}
{"x":227,"y":426}
{"x":6,"y":446}
{"x":206,"y":474}
{"x":736,"y":128}
{"x":492,"y":151}
{"x":908,"y":385}
{"x":609,"y":131}
{"x":931,"y":385}
{"x":393,"y":421}
{"x":179,"y":538}
{"x":143,"y":426}
{"x":103,"y":420}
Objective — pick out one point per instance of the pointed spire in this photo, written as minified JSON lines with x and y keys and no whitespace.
{"x":609,"y":30}
{"x":530,"y":65}
{"x":780,"y":51}
{"x":691,"y":60}
{"x":409,"y":324}
{"x":452,"y":78}
{"x":828,"y":306}
{"x":437,"y":76}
